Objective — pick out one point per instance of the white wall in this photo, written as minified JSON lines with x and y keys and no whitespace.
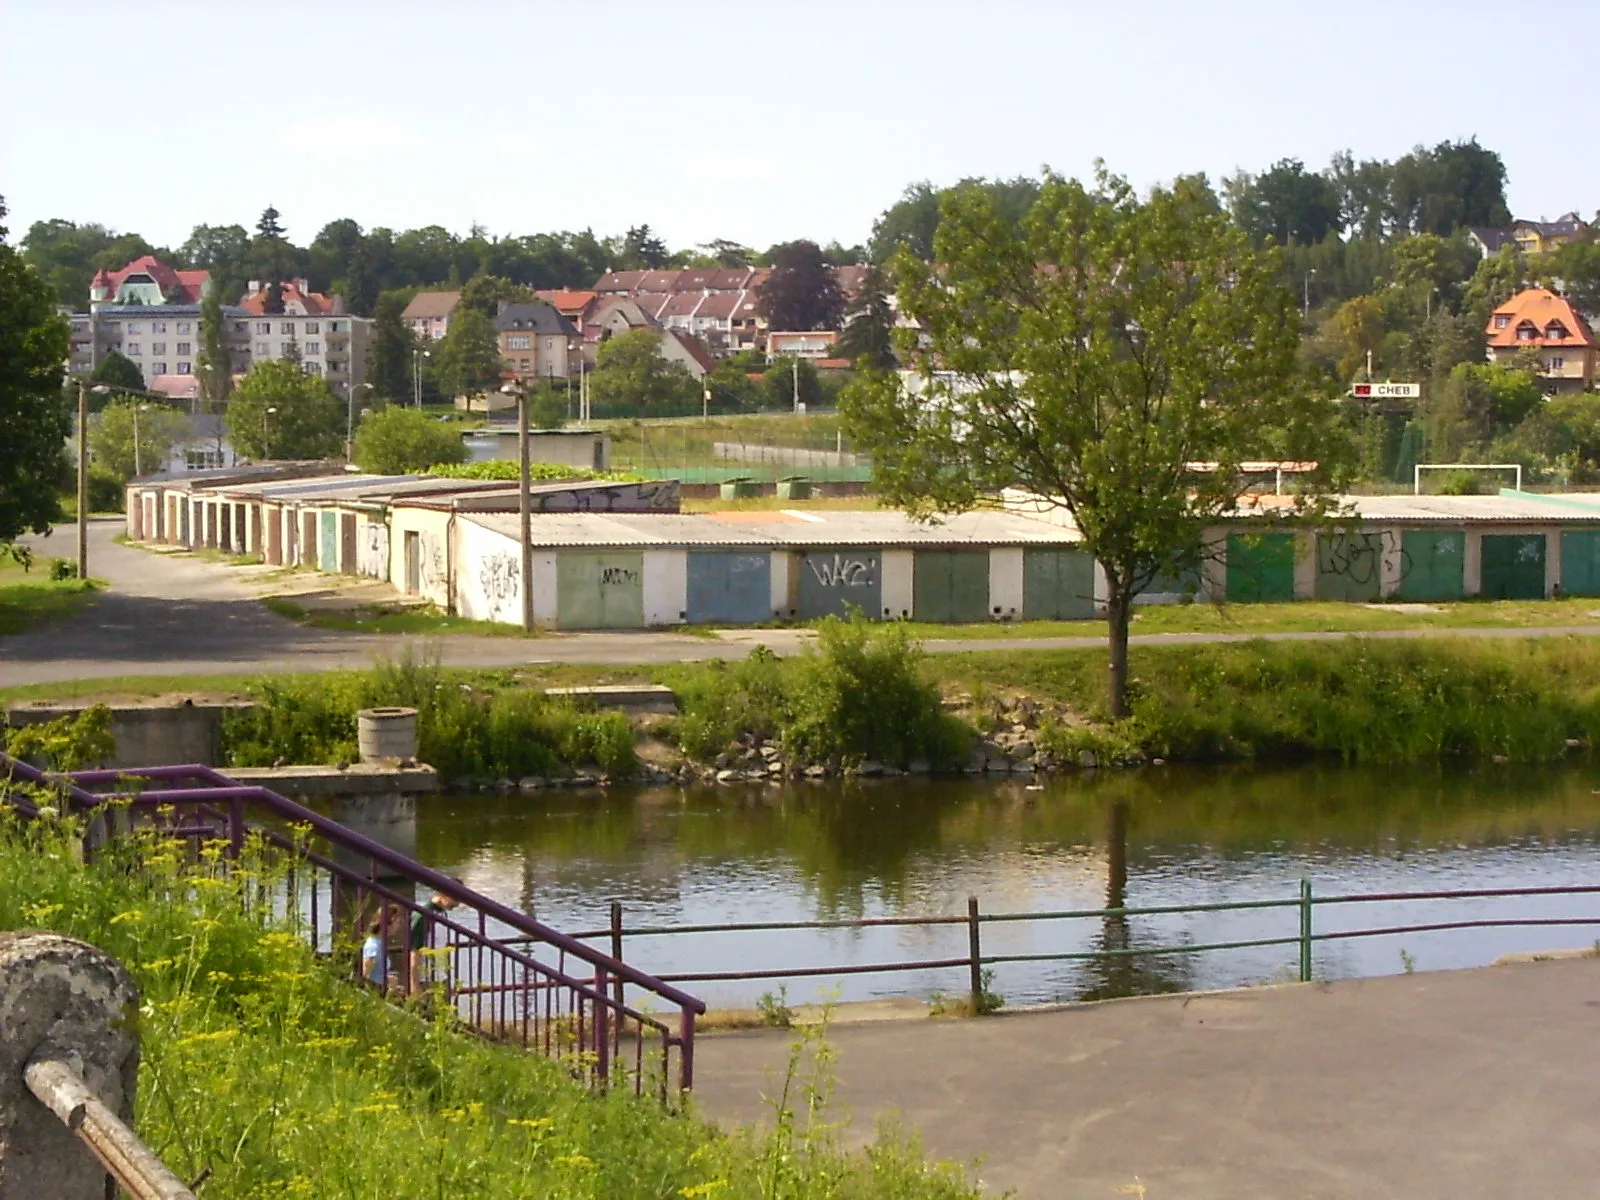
{"x":783,"y":564}
{"x":1005,"y":583}
{"x":899,"y":581}
{"x":666,"y":586}
{"x":488,"y":575}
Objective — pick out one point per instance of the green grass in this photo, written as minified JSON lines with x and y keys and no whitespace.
{"x":264,"y":1067}
{"x":686,"y":441}
{"x":29,"y":599}
{"x":383,"y":619}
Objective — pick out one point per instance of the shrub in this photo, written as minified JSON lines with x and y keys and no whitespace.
{"x":396,"y":440}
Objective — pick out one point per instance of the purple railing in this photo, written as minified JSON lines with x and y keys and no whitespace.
{"x":508,"y":976}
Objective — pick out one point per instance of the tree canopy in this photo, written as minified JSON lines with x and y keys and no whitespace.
{"x":279,"y":412}
{"x":120,"y":371}
{"x":158,"y":427}
{"x":631,"y":379}
{"x":1088,"y":355}
{"x":389,"y":355}
{"x":399,"y":441}
{"x":801,"y":293}
{"x":34,"y":415}
{"x":469,"y":354}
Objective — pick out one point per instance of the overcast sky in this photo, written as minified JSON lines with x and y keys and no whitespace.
{"x":756,"y":122}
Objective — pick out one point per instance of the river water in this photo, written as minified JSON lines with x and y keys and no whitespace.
{"x":1149,"y":837}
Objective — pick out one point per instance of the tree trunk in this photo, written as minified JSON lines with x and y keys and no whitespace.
{"x":1119,"y":611}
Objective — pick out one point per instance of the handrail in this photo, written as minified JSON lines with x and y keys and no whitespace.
{"x":61,"y":1089}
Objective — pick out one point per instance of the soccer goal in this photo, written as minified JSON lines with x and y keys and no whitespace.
{"x":1416,"y":477}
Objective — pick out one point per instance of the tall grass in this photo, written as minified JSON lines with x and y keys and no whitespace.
{"x":265,"y":1067}
{"x":859,"y":693}
{"x":1360,"y":700}
{"x":494,"y":728}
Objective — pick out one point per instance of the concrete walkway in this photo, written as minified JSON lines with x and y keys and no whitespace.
{"x":1460,"y":1085}
{"x":165,"y":614}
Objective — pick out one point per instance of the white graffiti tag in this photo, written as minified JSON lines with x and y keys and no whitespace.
{"x":843,"y":571}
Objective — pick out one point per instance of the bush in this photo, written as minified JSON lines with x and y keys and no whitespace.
{"x":398,"y":441}
{"x":506,"y":469}
{"x":106,"y":492}
{"x":858,"y":694}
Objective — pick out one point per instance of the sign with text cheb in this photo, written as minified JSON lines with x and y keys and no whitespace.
{"x":1386,"y":391}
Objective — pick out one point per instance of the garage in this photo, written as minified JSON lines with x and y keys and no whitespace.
{"x":950,"y":586}
{"x":834,"y":582}
{"x":1349,"y":566}
{"x":1432,"y":564}
{"x":600,"y":590}
{"x":729,"y":588}
{"x":1057,"y":585}
{"x":1260,"y":567}
{"x":1580,"y":562}
{"x":1513,"y":566}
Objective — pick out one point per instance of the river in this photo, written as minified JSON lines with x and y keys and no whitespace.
{"x":1149,"y":837}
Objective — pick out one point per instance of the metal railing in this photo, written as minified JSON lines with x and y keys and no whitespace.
{"x":507,"y":975}
{"x":1303,"y":935}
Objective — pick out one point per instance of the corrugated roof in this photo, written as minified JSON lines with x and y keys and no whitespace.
{"x":887,"y":530}
{"x":1523,"y":509}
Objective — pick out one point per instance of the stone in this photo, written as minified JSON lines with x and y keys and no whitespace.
{"x":1088,"y":758}
{"x":769,"y":751}
{"x":1574,"y":743}
{"x":775,"y":767}
{"x":728,"y":776}
{"x":816,"y":771}
{"x":1019,"y":728}
{"x":1022,"y":749}
{"x":870,"y":767}
{"x":997,"y":766}
{"x":1021,"y":768}
{"x":504,"y":786}
{"x":1158,"y":762}
{"x":530,"y":783}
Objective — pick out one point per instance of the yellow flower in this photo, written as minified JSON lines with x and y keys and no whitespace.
{"x":376,"y":1108}
{"x":702,"y":1189}
{"x":534,"y":1123}
{"x":215,"y":1035}
{"x":39,"y":913}
{"x":575,"y":1160}
{"x":133,"y":914}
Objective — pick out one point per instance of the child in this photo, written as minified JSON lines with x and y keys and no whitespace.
{"x":375,"y":953}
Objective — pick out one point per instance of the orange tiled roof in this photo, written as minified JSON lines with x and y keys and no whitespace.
{"x":1537,"y":308}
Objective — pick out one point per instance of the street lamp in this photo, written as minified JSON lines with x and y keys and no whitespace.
{"x":524,"y":503}
{"x":417,"y":355}
{"x":1305,"y":292}
{"x":350,"y":421}
{"x":268,"y":413}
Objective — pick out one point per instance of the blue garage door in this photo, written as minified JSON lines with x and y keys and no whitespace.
{"x":728,"y":588}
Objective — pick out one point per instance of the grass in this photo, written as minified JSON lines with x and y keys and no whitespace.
{"x":263,"y":1067}
{"x":372,"y":618}
{"x":29,"y":599}
{"x":687,"y":441}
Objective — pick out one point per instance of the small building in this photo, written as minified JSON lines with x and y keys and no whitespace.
{"x":814,"y":344}
{"x":536,"y":342}
{"x":1540,"y":321}
{"x":428,"y":314}
{"x":589,"y":449}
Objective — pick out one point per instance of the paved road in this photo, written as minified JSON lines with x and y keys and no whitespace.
{"x":1455,"y":1085}
{"x":170,"y":615}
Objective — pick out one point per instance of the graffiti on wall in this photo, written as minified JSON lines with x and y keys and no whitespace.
{"x":1356,"y":556}
{"x":655,"y":495}
{"x":372,"y":556}
{"x":430,"y":563}
{"x":843,"y":570}
{"x":499,"y":578}
{"x":619,"y":577}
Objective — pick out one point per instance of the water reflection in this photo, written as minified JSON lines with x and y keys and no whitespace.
{"x":1158,"y":836}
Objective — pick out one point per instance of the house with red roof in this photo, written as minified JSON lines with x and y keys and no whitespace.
{"x":147,"y":280}
{"x":1539,"y":321}
{"x":298,"y":300}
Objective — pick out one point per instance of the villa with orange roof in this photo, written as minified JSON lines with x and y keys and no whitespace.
{"x":1538,"y":320}
{"x":148,"y":280}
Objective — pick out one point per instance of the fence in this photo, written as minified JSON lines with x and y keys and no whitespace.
{"x":764,"y":447}
{"x":1301,"y":934}
{"x":337,"y":881}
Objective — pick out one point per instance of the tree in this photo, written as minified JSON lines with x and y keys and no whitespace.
{"x":780,"y":383}
{"x":224,"y":250}
{"x":632,"y":379}
{"x":270,"y":253}
{"x":487,"y":292}
{"x":1577,"y":265}
{"x":725,"y":253}
{"x":1453,"y":185}
{"x":389,"y":363}
{"x":1358,"y":327}
{"x":399,"y":441}
{"x":469,"y":354}
{"x":913,"y":220}
{"x":279,"y":412}
{"x":868,"y":336}
{"x":158,"y":428}
{"x":642,"y":248}
{"x":1286,"y":202}
{"x":215,"y":361}
{"x":1495,"y":281}
{"x":1089,"y":356}
{"x":34,"y":416}
{"x":120,"y":371}
{"x":801,"y":292}
{"x":66,"y":255}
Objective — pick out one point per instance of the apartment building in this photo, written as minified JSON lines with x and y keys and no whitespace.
{"x":536,"y":341}
{"x":160,"y":340}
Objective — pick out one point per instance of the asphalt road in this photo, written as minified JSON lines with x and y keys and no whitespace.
{"x":176,"y":615}
{"x":1447,"y":1085}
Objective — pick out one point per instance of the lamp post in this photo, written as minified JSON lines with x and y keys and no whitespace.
{"x":138,"y":464}
{"x":1305,"y":292}
{"x":264,"y":441}
{"x":524,"y":505}
{"x":417,"y":355}
{"x":350,"y":421}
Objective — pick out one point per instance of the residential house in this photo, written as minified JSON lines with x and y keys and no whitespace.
{"x":329,"y":343}
{"x":536,"y":341}
{"x":1532,"y":238}
{"x":148,"y":281}
{"x":1489,"y":242}
{"x":428,"y":314}
{"x":688,"y":351}
{"x":814,"y":344}
{"x":160,"y":339}
{"x":1541,"y":321}
{"x":576,"y":307}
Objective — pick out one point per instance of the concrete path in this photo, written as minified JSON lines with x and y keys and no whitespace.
{"x":178,"y":615}
{"x":1458,"y":1085}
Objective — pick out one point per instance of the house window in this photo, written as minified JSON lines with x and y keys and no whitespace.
{"x":158,"y":347}
{"x":1555,"y":364}
{"x":241,"y":326}
{"x":1500,"y":321}
{"x":336,"y":327}
{"x":522,"y":364}
{"x":158,"y":326}
{"x":184,"y":347}
{"x":286,"y":328}
{"x":517,"y":343}
{"x":311,"y":368}
{"x":184,"y":369}
{"x":1526,"y":333}
{"x":133,"y":327}
{"x":263,"y":326}
{"x":311,"y":327}
{"x":183,"y":327}
{"x":158,"y":368}
{"x":201,"y":460}
{"x":133,"y":348}
{"x":313,"y":347}
{"x":1555,"y":331}
{"x":263,"y":349}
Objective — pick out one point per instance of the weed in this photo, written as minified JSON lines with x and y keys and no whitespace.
{"x":774,"y":1009}
{"x":1408,"y":962}
{"x":65,"y":744}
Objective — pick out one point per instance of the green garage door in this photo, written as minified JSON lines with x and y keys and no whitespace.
{"x":950,"y":586}
{"x":328,"y":542}
{"x":1348,"y":566}
{"x":1260,"y":567}
{"x":1057,"y":585}
{"x":1432,"y":565}
{"x":1513,"y":566}
{"x":599,"y":591}
{"x":835,"y":582}
{"x":1580,"y":562}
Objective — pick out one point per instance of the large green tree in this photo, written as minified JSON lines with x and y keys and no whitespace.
{"x":389,"y":357}
{"x":868,"y":336}
{"x":137,"y":435}
{"x":1285,"y":202}
{"x":279,"y":412}
{"x":215,"y":362}
{"x":34,"y":415}
{"x":396,"y":441}
{"x":66,"y":255}
{"x":469,"y":354}
{"x":801,"y":293}
{"x":119,"y":371}
{"x":272,"y":256}
{"x":1090,"y":355}
{"x":631,"y":379}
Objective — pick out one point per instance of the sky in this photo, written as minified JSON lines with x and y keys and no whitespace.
{"x":755,"y":122}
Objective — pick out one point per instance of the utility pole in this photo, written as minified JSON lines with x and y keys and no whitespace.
{"x":524,"y":506}
{"x":795,"y":366}
{"x":83,"y":479}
